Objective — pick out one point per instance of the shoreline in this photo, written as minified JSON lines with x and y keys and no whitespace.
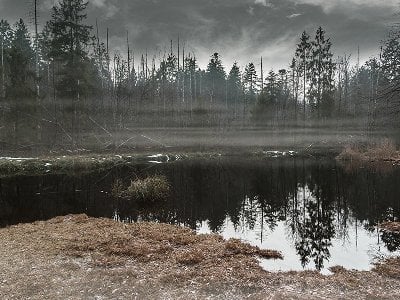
{"x":78,"y":256}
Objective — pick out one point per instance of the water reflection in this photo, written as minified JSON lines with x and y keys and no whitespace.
{"x":312,"y":210}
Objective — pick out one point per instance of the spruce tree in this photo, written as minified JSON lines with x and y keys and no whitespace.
{"x":250,"y":80}
{"x":234,"y":86}
{"x":302,"y":58}
{"x":68,"y":39}
{"x":321,"y":75}
{"x":21,"y":63}
{"x":215,"y":75}
{"x":6,"y":35}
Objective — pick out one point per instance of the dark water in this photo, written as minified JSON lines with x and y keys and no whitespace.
{"x":317,"y":213}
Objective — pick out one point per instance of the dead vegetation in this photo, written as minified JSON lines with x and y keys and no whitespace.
{"x":389,"y":267}
{"x":100,"y":258}
{"x":383,"y":151}
{"x":151,"y":189}
{"x":79,"y":236}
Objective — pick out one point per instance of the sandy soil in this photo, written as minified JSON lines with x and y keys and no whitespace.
{"x":76,"y":257}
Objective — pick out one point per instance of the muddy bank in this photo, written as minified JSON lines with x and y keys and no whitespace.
{"x":81,"y":257}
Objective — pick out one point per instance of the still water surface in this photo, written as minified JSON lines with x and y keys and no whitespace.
{"x":316,"y":212}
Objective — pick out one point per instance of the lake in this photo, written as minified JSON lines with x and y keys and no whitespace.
{"x":317,"y":212}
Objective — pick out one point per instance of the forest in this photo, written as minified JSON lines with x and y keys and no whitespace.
{"x":63,"y":82}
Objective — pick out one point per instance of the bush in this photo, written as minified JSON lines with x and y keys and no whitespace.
{"x":385,"y":150}
{"x":153,"y":188}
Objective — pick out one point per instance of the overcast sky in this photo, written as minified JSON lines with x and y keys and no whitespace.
{"x":240,"y":30}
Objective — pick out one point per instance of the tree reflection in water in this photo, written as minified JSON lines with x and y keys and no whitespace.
{"x":316,"y":200}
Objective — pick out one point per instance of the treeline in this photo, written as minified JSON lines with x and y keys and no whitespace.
{"x":65,"y":81}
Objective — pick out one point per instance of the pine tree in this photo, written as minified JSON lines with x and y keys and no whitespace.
{"x":68,"y":39}
{"x":21,"y":63}
{"x":234,"y":86}
{"x":267,"y":101}
{"x":250,"y":80}
{"x":21,"y":85}
{"x":321,"y":75}
{"x":215,"y":76}
{"x":302,"y":58}
{"x":6,"y":34}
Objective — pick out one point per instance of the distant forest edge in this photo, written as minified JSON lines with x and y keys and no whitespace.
{"x":62,"y":82}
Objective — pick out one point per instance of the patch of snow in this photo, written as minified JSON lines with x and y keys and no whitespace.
{"x":279,"y":153}
{"x":155,"y":156}
{"x":19,"y":159}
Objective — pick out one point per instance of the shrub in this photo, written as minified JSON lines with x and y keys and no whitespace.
{"x":153,"y":188}
{"x":385,"y":150}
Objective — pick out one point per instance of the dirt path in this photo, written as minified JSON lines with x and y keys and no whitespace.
{"x":77,"y":257}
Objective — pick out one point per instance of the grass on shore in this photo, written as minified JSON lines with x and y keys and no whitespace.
{"x":107,"y":242}
{"x":383,"y":151}
{"x":39,"y":166}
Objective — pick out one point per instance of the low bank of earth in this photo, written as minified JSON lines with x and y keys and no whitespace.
{"x":86,"y":258}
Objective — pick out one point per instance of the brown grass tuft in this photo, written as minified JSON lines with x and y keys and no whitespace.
{"x":351,"y":153}
{"x":389,"y":268}
{"x":382,"y":151}
{"x":153,"y":188}
{"x":337,"y":269}
{"x":385,"y":150}
{"x":191,"y":257}
{"x":235,"y":246}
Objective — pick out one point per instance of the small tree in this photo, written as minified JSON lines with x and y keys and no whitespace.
{"x":6,"y":35}
{"x":234,"y":87}
{"x":321,"y":75}
{"x":215,"y":76}
{"x":302,"y":59}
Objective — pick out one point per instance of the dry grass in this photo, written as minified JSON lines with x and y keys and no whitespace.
{"x":389,"y":267}
{"x":235,"y":246}
{"x":76,"y":257}
{"x":383,"y":151}
{"x":153,"y":188}
{"x":79,"y":236}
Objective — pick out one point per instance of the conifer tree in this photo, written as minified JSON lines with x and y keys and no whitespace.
{"x":302,"y":58}
{"x":21,"y":63}
{"x":321,"y":75}
{"x":234,"y":86}
{"x":6,"y":34}
{"x":250,"y":80}
{"x":215,"y":75}
{"x":68,"y":39}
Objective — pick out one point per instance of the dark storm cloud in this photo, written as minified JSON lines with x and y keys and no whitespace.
{"x":241,"y":30}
